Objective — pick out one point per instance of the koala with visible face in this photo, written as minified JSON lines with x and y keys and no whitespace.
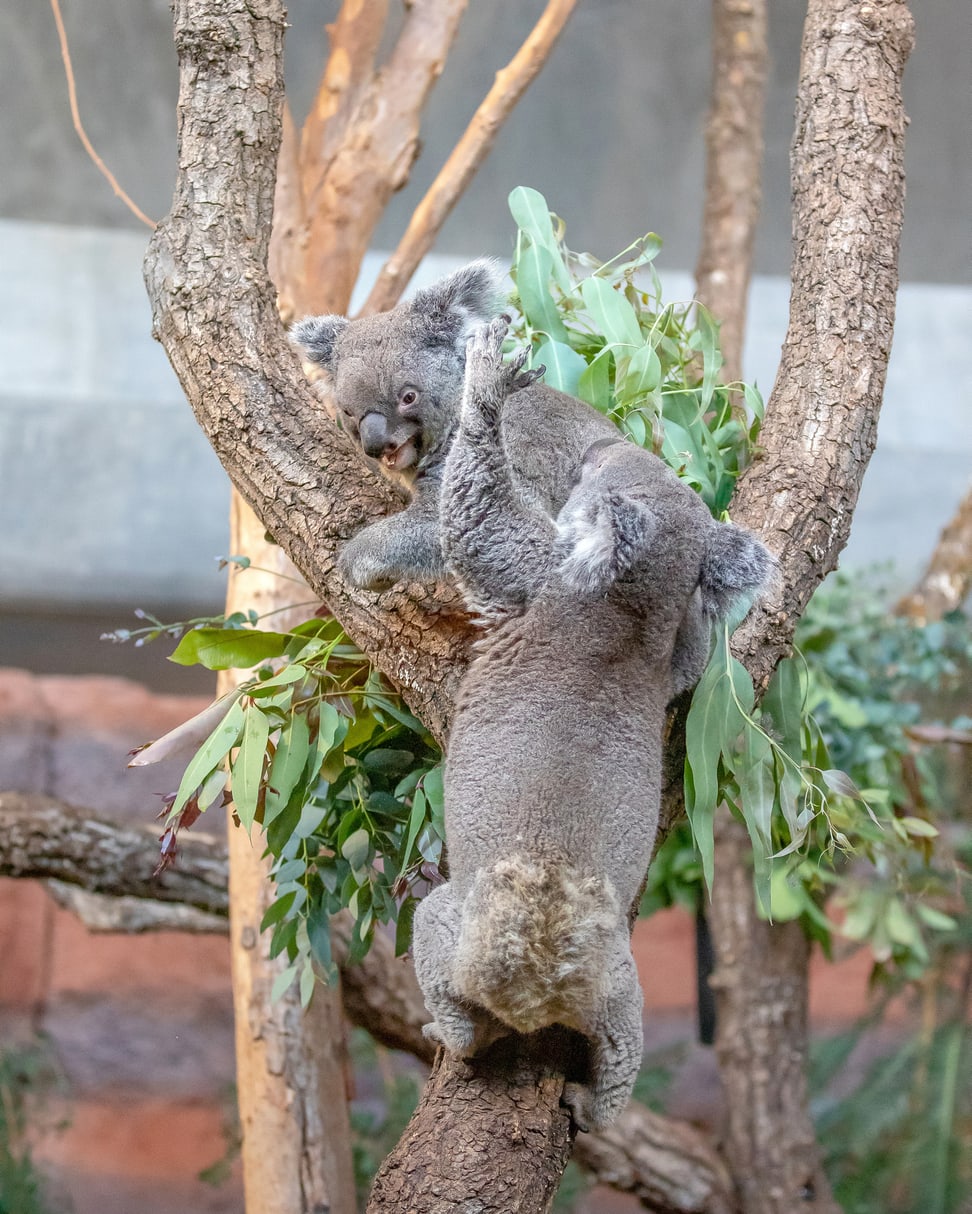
{"x":601,"y":612}
{"x":397,"y":378}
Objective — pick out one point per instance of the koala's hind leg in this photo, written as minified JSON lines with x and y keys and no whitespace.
{"x":616,"y":1043}
{"x":435,"y":936}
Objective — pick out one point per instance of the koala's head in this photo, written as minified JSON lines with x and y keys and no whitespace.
{"x":632,"y":527}
{"x":397,"y":377}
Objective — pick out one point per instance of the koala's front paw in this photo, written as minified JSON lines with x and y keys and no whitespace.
{"x":360,"y":566}
{"x":490,"y":380}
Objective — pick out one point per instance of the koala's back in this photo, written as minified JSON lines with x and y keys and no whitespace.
{"x":555,"y":747}
{"x":545,"y":435}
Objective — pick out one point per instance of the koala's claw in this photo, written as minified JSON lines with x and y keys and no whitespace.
{"x":577,"y":1098}
{"x":526,"y":378}
{"x":490,"y":380}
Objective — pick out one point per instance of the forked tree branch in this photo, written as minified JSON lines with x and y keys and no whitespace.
{"x":464,"y":160}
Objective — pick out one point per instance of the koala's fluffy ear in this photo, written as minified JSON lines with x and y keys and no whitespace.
{"x":455,"y":304}
{"x":316,"y":335}
{"x":736,"y":566}
{"x":601,"y":545}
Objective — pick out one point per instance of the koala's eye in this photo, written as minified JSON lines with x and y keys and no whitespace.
{"x":408,"y":397}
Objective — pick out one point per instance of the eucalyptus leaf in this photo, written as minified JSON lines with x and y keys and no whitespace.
{"x":532,"y":216}
{"x":209,"y":756}
{"x":228,"y":648}
{"x":356,"y":849}
{"x":611,"y":312}
{"x":564,"y":365}
{"x":247,"y":768}
{"x":533,"y":273}
{"x":288,"y":763}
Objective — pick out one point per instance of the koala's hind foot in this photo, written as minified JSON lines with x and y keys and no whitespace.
{"x":435,"y":934}
{"x":616,"y":1039}
{"x":490,"y":380}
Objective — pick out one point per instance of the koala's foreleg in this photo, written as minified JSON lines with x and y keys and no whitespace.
{"x":498,"y":545}
{"x":616,"y":1042}
{"x":435,"y":936}
{"x":403,"y":547}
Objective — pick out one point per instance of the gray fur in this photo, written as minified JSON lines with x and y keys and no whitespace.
{"x":420,"y":346}
{"x":553,"y":769}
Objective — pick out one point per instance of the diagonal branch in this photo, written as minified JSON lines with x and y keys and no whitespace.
{"x":464,"y":160}
{"x":367,"y":124}
{"x":847,"y":175}
{"x":945,"y":584}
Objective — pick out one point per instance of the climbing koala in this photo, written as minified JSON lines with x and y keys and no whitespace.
{"x":397,"y":379}
{"x":600,"y":613}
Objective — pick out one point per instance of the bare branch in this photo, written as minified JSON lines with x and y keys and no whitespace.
{"x":42,"y":837}
{"x":945,"y":584}
{"x":371,"y":143}
{"x":733,"y":170}
{"x":76,"y":119}
{"x":473,"y":147}
{"x":133,"y":916}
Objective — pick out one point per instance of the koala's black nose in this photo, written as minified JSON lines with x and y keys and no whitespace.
{"x":373,"y":433}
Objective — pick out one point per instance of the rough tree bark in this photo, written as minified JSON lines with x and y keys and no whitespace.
{"x":214,"y":312}
{"x":847,"y":181}
{"x":761,"y":973}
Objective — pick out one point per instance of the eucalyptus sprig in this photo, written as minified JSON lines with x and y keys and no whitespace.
{"x":345,"y":783}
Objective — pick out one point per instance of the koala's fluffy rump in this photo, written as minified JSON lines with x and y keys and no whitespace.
{"x":541,"y":923}
{"x":397,"y":379}
{"x":553,"y":768}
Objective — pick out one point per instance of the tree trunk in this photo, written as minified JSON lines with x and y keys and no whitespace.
{"x":760,"y":977}
{"x":292,"y":1067}
{"x":488,"y":1136}
{"x":760,"y":984}
{"x":733,"y":170}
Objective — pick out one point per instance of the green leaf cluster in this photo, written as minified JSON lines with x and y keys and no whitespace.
{"x":604,"y":334}
{"x":345,"y":783}
{"x":834,"y":790}
{"x":27,"y":1076}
